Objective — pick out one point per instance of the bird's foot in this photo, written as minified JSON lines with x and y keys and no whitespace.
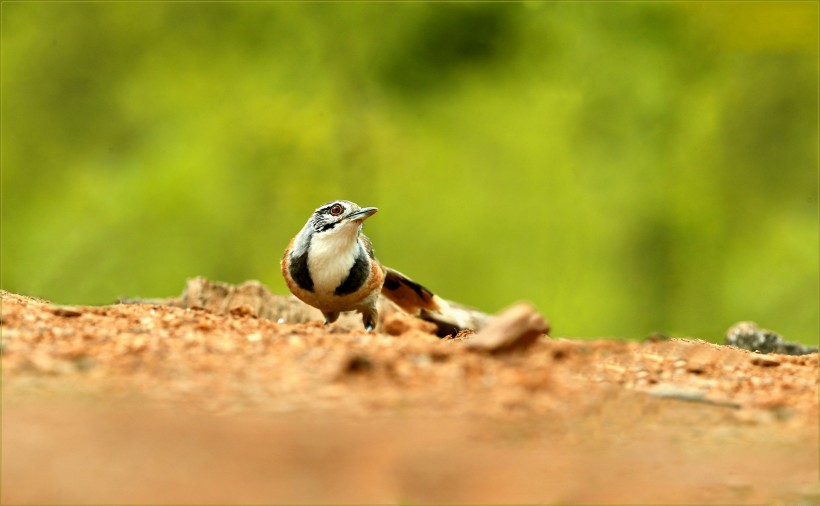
{"x":369,"y":320}
{"x":330,"y":317}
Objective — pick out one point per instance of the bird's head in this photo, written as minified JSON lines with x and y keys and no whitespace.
{"x":333,"y":226}
{"x":339,"y":216}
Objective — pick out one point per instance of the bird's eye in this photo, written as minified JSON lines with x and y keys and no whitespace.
{"x":336,"y":210}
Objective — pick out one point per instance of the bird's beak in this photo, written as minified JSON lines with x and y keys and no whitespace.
{"x":362,"y":214}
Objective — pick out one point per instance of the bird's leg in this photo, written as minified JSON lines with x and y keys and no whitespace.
{"x":330,"y":316}
{"x":369,"y":318}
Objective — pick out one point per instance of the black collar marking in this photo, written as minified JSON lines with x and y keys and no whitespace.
{"x":356,"y":277}
{"x":299,"y":271}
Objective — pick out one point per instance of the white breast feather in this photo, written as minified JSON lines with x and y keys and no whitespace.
{"x":331,"y":257}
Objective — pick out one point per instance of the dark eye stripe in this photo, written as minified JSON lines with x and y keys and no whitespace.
{"x":326,"y":209}
{"x":323,"y":219}
{"x":326,"y":226}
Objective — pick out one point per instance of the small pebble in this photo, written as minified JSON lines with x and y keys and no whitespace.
{"x":765,"y":361}
{"x":516,"y":327}
{"x":66,"y":311}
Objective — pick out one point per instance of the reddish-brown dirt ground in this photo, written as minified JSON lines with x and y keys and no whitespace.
{"x":154,"y":404}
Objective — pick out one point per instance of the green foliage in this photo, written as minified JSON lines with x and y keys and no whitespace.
{"x":628,"y":167}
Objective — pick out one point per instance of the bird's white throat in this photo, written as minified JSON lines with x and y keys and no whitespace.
{"x":332,"y":255}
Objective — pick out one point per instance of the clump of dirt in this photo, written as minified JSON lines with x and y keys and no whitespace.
{"x":151,"y":403}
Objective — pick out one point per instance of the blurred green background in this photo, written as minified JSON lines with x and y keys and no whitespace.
{"x":628,"y":167}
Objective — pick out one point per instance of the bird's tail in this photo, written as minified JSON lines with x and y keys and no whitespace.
{"x":417,"y":300}
{"x":407,"y":294}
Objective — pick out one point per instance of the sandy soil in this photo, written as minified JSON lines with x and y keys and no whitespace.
{"x":155,"y":404}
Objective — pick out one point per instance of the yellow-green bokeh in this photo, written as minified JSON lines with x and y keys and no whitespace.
{"x":628,"y":167}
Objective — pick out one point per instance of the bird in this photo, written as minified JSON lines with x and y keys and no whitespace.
{"x":331,"y":265}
